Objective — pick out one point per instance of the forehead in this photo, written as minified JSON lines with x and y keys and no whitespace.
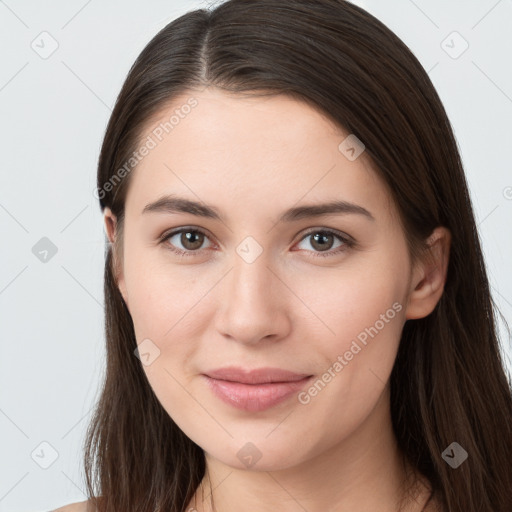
{"x":252,"y":151}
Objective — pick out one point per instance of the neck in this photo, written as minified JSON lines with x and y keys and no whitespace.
{"x":365,"y":471}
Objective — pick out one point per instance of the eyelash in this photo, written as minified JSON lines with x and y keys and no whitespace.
{"x":347,"y":242}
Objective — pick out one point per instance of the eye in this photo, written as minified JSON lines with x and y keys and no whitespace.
{"x":190,"y":238}
{"x":322,"y":241}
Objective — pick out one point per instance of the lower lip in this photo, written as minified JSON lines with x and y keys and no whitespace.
{"x":254,"y":397}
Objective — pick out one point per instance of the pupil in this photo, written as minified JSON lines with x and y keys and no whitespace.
{"x":321,"y":240}
{"x":193,"y":238}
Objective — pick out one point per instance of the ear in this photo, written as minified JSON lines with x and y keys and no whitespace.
{"x":110,"y":224}
{"x":429,"y":276}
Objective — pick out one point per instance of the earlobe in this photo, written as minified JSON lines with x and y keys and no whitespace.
{"x":430,"y":275}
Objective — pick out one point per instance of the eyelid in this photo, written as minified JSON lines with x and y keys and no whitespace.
{"x":170,"y":233}
{"x":332,"y":231}
{"x":347,"y":241}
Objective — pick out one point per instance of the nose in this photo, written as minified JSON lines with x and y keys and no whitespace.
{"x":253,"y":303}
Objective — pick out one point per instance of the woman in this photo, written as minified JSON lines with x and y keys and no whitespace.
{"x":298,"y":315}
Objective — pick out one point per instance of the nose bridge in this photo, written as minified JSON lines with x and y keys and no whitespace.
{"x":251,"y":280}
{"x":251,"y":306}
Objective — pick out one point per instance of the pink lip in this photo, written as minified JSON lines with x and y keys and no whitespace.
{"x":254,"y":390}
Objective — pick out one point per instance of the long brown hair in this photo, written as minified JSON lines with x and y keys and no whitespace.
{"x":448,"y":383}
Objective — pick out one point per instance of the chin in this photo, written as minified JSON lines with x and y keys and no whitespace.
{"x":259,"y":454}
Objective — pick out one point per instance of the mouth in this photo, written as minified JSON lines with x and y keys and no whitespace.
{"x":255,"y":397}
{"x":256,"y":376}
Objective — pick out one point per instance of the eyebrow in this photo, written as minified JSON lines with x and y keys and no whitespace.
{"x":174,"y":204}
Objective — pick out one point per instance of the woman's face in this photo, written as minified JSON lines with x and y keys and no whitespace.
{"x":260,"y":287}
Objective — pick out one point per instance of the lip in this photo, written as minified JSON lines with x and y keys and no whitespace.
{"x":256,"y":376}
{"x":254,"y":390}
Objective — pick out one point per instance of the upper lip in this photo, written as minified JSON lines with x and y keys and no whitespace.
{"x":256,"y":376}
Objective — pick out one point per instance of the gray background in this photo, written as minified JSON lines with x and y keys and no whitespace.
{"x":53,"y":114}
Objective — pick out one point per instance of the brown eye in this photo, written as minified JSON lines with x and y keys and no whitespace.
{"x":323,"y":240}
{"x":187,"y":241}
{"x":191,"y":240}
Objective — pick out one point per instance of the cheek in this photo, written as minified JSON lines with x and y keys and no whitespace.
{"x":164,"y":306}
{"x":169,"y":308}
{"x":362,"y":310}
{"x":346,"y":301}
{"x":160,"y":296}
{"x":364,"y":316}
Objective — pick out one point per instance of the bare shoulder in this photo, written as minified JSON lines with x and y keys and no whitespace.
{"x":79,"y":506}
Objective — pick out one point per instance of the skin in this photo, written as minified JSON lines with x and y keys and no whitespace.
{"x":253,"y":158}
